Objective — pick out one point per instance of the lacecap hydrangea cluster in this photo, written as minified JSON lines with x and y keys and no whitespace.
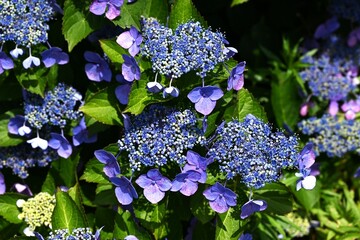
{"x":251,"y":150}
{"x":332,"y":135}
{"x":189,"y":47}
{"x":330,"y":78}
{"x":21,"y":157}
{"x":25,"y":22}
{"x":76,"y":234}
{"x":159,"y":135}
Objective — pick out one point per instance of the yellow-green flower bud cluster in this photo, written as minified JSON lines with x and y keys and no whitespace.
{"x":302,"y":225}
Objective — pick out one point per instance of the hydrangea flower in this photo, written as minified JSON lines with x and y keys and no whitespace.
{"x":130,"y":40}
{"x":130,"y":69}
{"x":81,"y":134}
{"x":61,"y":144}
{"x":246,"y":236}
{"x":154,"y":87}
{"x":205,"y":98}
{"x":154,"y":184}
{"x":98,"y":69}
{"x":38,"y":142}
{"x":15,"y":53}
{"x":54,"y":55}
{"x":251,"y":207}
{"x":124,"y":191}
{"x":23,"y":189}
{"x":197,"y":163}
{"x":236,"y":78}
{"x":111,"y":168}
{"x":31,"y":62}
{"x":172,"y":91}
{"x":186,"y":182}
{"x":112,"y":8}
{"x":2,"y":184}
{"x":122,"y":92}
{"x":305,"y":160}
{"x":5,"y":62}
{"x":17,"y":126}
{"x":351,"y":108}
{"x":220,"y":198}
{"x":76,"y":233}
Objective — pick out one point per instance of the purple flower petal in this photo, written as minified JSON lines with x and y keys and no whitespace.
{"x":143,"y":181}
{"x":98,"y":7}
{"x":125,"y":40}
{"x":130,"y":69}
{"x":54,"y":55}
{"x":15,"y":123}
{"x":5,"y":61}
{"x":61,"y":144}
{"x":219,"y":205}
{"x":2,"y":184}
{"x":164,"y":184}
{"x":111,"y":168}
{"x":333,"y":108}
{"x":153,"y":194}
{"x":205,"y":106}
{"x":122,"y":93}
{"x":251,"y":207}
{"x":113,"y":12}
{"x":195,"y":95}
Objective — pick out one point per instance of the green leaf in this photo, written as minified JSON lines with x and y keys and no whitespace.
{"x":182,"y":12}
{"x":200,"y":207}
{"x":113,"y":50}
{"x":75,"y":194}
{"x":8,"y":209}
{"x":94,"y":172}
{"x":125,"y":225}
{"x":228,"y":225}
{"x":245,"y":104}
{"x":237,"y":2}
{"x":285,"y":101}
{"x":35,"y":80}
{"x":64,"y":170}
{"x":140,"y":97}
{"x":7,"y":139}
{"x":66,"y":214}
{"x":76,"y":24}
{"x":103,"y":107}
{"x":131,"y":13}
{"x":277,"y":196}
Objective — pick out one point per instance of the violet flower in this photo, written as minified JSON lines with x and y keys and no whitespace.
{"x":111,"y":168}
{"x":130,"y":40}
{"x":130,"y":69}
{"x":186,"y":182}
{"x":61,"y":144}
{"x":333,"y":107}
{"x":122,"y":91}
{"x":124,"y":191}
{"x":197,"y":163}
{"x":350,"y":108}
{"x":251,"y":207}
{"x":2,"y":184}
{"x":98,"y":7}
{"x":205,"y":98}
{"x":81,"y":134}
{"x":306,"y":159}
{"x":23,"y":189}
{"x":324,"y":30}
{"x":5,"y":62}
{"x":246,"y":236}
{"x":98,"y":69}
{"x":54,"y":55}
{"x":154,"y":184}
{"x":17,"y":126}
{"x":154,"y":87}
{"x":236,"y":78}
{"x":220,"y":197}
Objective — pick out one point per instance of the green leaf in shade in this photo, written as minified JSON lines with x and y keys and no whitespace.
{"x":113,"y":50}
{"x":66,"y":214}
{"x":75,"y":194}
{"x":125,"y":225}
{"x":200,"y":207}
{"x":8,"y":230}
{"x":35,"y":80}
{"x":76,"y":24}
{"x":182,"y":11}
{"x":8,"y":209}
{"x":7,"y":139}
{"x":203,"y":231}
{"x":131,"y":13}
{"x":237,"y":2}
{"x":228,"y":225}
{"x":49,"y":184}
{"x":64,"y":170}
{"x":277,"y":196}
{"x":94,"y":172}
{"x":284,"y":100}
{"x":140,"y":97}
{"x":245,"y":104}
{"x":103,"y":107}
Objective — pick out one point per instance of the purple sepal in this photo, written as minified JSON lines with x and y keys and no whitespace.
{"x":197,"y":163}
{"x":5,"y":62}
{"x":54,"y":55}
{"x":61,"y":144}
{"x":98,"y":69}
{"x":236,"y":78}
{"x":220,"y":198}
{"x":2,"y":184}
{"x":130,"y":69}
{"x":30,"y":62}
{"x":124,"y":191}
{"x":251,"y":207}
{"x":186,"y":183}
{"x":111,"y":168}
{"x":324,"y":30}
{"x":205,"y":98}
{"x":130,"y":40}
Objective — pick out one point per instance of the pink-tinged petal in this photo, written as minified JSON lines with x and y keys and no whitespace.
{"x":113,"y":12}
{"x":205,"y":106}
{"x":350,"y":115}
{"x":189,"y":188}
{"x":143,"y":181}
{"x":333,"y":108}
{"x":125,"y":40}
{"x":219,"y":205}
{"x":304,"y":108}
{"x":133,"y":50}
{"x":98,"y":8}
{"x":308,"y":182}
{"x":153,"y":194}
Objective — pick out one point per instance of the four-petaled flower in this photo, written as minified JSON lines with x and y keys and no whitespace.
{"x":5,"y":62}
{"x":111,"y":168}
{"x":54,"y":55}
{"x":197,"y":163}
{"x":236,"y":78}
{"x":124,"y":191}
{"x":130,"y":40}
{"x":220,"y":197}
{"x":38,"y":142}
{"x":251,"y":207}
{"x":186,"y":182}
{"x":130,"y":69}
{"x":98,"y":7}
{"x":154,"y":184}
{"x":351,"y":108}
{"x":61,"y":144}
{"x":306,"y":159}
{"x":205,"y":98}
{"x":98,"y":69}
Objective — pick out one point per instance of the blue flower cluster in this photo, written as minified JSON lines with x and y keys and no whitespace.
{"x":25,"y":22}
{"x":76,"y":234}
{"x":347,"y":9}
{"x":58,"y":106}
{"x":160,"y":134}
{"x":190,"y":47}
{"x":250,"y":149}
{"x":333,"y":135}
{"x":329,"y":79}
{"x":21,"y":157}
